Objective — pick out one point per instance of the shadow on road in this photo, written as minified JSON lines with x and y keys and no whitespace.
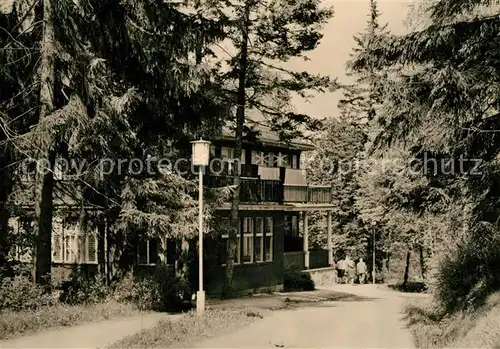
{"x":288,"y":300}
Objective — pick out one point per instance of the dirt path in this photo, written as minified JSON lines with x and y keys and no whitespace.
{"x":373,"y":322}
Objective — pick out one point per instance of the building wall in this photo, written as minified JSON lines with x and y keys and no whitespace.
{"x":250,"y":277}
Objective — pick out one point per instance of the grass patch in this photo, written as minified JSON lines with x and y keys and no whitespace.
{"x":432,"y":329}
{"x":15,"y":323}
{"x":190,"y":328}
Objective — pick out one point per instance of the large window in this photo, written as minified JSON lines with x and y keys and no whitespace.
{"x":73,"y":245}
{"x":70,"y":244}
{"x":254,"y":241}
{"x":274,"y":159}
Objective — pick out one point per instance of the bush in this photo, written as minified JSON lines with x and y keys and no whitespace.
{"x":19,"y":293}
{"x":139,"y":292}
{"x":83,"y":290}
{"x":296,"y":280}
{"x":466,"y":276}
{"x":160,"y":292}
{"x":434,"y":329}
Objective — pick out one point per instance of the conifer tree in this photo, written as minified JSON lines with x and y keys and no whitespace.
{"x":115,"y":81}
{"x":344,"y":142}
{"x":261,"y":36}
{"x":443,"y":104}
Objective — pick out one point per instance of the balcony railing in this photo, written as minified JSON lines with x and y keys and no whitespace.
{"x":252,"y":190}
{"x":307,"y":193}
{"x":256,"y":190}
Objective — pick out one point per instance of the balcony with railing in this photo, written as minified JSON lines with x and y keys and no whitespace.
{"x":257,"y":190}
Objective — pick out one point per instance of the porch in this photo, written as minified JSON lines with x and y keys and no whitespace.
{"x":297,"y":253}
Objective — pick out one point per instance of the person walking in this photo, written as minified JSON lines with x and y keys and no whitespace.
{"x":361,"y":270}
{"x":340,"y":271}
{"x":351,"y":270}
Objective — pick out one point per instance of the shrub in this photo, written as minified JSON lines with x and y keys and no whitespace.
{"x":469,"y":273}
{"x":161,"y":292}
{"x":19,"y":293}
{"x":296,"y":280}
{"x":81,"y":289}
{"x":142,"y":293}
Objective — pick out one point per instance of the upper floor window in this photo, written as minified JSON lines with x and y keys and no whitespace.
{"x":274,"y":159}
{"x":227,"y":154}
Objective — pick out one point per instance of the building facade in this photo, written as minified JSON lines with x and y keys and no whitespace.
{"x":275,"y":199}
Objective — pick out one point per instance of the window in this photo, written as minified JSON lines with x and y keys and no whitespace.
{"x":271,"y":160}
{"x":288,"y":225}
{"x":257,"y":158}
{"x":225,"y":244}
{"x":295,"y":226}
{"x":21,"y":238}
{"x":148,"y":252}
{"x":268,"y":239}
{"x":69,"y":243}
{"x":78,"y":246}
{"x":253,"y":235}
{"x":259,"y":239}
{"x":295,"y":161}
{"x":248,"y":240}
{"x":227,"y":153}
{"x":228,"y":157}
{"x":284,"y":160}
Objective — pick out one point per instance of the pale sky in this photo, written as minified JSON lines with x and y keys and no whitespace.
{"x":329,"y":58}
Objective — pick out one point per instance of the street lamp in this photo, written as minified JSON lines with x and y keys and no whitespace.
{"x":201,"y":153}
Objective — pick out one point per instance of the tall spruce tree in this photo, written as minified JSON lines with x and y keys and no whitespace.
{"x":114,"y":81}
{"x":261,"y":35}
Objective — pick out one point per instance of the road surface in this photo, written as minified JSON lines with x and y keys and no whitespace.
{"x":374,"y":322}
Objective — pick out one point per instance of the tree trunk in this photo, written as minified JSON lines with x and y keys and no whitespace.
{"x":227,"y":290}
{"x":423,"y":264}
{"x":407,"y":269}
{"x":5,"y":190}
{"x":44,"y":180}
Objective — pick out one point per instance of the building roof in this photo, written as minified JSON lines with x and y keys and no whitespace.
{"x":265,"y":135}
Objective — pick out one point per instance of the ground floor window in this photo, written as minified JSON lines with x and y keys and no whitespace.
{"x":254,"y":240}
{"x":70,"y":243}
{"x":147,"y":252}
{"x":73,"y":245}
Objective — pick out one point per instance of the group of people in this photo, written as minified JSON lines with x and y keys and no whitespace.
{"x":348,"y":270}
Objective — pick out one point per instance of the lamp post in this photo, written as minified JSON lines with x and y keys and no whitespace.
{"x":201,"y":152}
